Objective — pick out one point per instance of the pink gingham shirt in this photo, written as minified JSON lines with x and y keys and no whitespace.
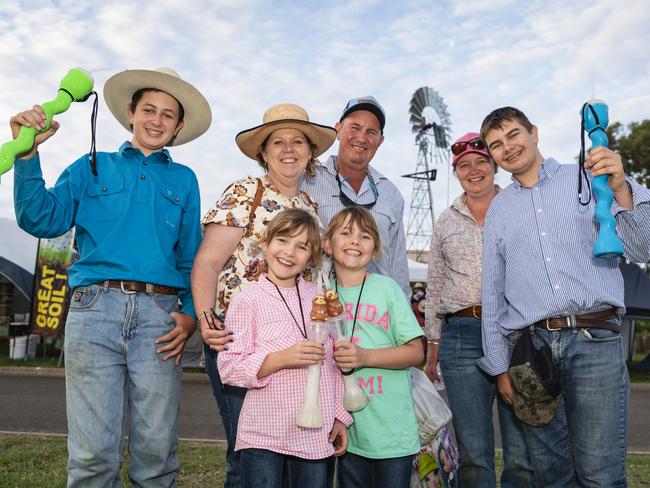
{"x":454,"y":276}
{"x":261,"y":324}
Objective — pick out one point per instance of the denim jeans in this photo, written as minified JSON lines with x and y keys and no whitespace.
{"x":585,"y":443}
{"x":471,"y":394}
{"x":229,"y":400}
{"x":113,"y":374}
{"x":354,"y":471}
{"x":268,"y":469}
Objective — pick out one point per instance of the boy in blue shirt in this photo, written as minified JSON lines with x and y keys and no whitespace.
{"x":136,"y":214}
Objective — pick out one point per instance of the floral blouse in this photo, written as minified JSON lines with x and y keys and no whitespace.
{"x":234,"y":210}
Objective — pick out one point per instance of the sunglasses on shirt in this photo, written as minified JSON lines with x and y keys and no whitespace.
{"x":345,"y":200}
{"x":460,"y":147}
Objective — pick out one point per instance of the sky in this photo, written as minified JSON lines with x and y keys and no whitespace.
{"x":545,"y":57}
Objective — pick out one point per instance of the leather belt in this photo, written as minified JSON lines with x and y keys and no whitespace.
{"x":592,"y":320}
{"x":139,"y":286}
{"x":473,"y":311}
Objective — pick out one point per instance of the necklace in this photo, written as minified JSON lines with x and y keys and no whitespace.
{"x":303,"y":330}
{"x":356,"y":309}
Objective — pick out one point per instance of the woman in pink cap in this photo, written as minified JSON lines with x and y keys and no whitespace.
{"x":453,"y":326}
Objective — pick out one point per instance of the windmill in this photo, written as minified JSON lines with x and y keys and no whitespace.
{"x":431,"y":125}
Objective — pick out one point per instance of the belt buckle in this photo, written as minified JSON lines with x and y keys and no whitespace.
{"x":474,"y":311}
{"x":553,"y":329}
{"x":128,"y":292}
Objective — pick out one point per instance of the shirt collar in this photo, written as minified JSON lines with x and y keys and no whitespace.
{"x":460,"y":203}
{"x":330,"y":165}
{"x":547,"y":169}
{"x":128,"y":151}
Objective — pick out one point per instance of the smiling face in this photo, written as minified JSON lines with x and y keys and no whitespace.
{"x":359,"y":138}
{"x":351,"y":247}
{"x":286,"y":257}
{"x":476,"y":174}
{"x":286,"y":153}
{"x":515,"y":150}
{"x":155,"y":121}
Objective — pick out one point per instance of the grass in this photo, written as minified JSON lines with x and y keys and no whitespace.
{"x":34,"y":462}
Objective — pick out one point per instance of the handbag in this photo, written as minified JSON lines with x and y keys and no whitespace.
{"x":431,"y":411}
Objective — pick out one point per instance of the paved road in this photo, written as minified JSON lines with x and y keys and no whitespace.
{"x":37,"y":404}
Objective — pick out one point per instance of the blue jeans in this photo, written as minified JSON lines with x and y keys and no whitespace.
{"x":113,"y":373}
{"x":268,"y":469}
{"x":229,"y":400}
{"x":354,"y":471}
{"x":471,"y":394}
{"x":585,"y":443}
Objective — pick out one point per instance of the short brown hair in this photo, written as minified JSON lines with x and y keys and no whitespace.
{"x":358,"y":216}
{"x":498,"y":117}
{"x":293,"y":221}
{"x":309,"y":170}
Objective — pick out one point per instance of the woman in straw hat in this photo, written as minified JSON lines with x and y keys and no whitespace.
{"x":136,"y":214}
{"x":285,"y":145}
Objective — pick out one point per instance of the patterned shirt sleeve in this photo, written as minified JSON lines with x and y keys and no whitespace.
{"x":234,"y":207}
{"x":434,"y":286}
{"x":240,"y":364}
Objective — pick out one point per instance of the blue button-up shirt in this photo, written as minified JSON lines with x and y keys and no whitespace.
{"x":388,"y":212}
{"x":137,"y":220}
{"x":538,"y":257}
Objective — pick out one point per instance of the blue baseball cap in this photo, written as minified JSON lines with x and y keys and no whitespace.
{"x":368,"y":103}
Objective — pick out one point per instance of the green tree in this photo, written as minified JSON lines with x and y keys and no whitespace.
{"x":632,"y":142}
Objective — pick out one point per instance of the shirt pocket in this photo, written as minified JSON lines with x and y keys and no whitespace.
{"x":169,"y":207}
{"x":104,"y":200}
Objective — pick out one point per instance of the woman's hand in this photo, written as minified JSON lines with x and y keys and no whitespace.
{"x":431,"y":366}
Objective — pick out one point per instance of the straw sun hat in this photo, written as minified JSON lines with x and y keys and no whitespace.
{"x":119,"y":90}
{"x":285,"y":116}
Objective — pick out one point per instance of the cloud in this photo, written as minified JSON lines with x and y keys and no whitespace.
{"x":247,"y":55}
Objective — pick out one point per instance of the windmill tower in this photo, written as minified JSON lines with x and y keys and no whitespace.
{"x":431,"y":125}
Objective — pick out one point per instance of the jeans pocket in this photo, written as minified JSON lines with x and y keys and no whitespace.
{"x":85,"y":297}
{"x":167,"y":303}
{"x":600,"y":335}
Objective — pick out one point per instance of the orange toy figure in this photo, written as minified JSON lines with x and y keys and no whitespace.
{"x":334,"y":306}
{"x":319,"y":309}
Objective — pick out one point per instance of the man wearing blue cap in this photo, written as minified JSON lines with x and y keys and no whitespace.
{"x":347,"y":179}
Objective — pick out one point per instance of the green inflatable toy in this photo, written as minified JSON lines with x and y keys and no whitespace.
{"x":76,"y":86}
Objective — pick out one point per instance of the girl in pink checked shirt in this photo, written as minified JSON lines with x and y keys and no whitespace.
{"x":270,"y":355}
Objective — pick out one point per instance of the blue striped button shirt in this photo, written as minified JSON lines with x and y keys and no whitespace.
{"x":388,"y":213}
{"x":538,"y":256}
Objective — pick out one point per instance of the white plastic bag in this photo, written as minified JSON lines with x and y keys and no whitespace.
{"x":431,"y":411}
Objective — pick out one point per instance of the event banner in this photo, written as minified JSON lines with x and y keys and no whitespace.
{"x":50,"y":297}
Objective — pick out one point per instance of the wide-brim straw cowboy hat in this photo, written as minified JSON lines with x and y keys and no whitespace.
{"x":119,"y":90}
{"x":285,"y":116}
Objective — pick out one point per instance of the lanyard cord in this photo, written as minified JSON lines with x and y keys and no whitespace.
{"x":582,"y":173}
{"x":303,"y":331}
{"x":356,"y":309}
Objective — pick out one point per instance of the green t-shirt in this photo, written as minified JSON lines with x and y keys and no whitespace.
{"x":386,"y":426}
